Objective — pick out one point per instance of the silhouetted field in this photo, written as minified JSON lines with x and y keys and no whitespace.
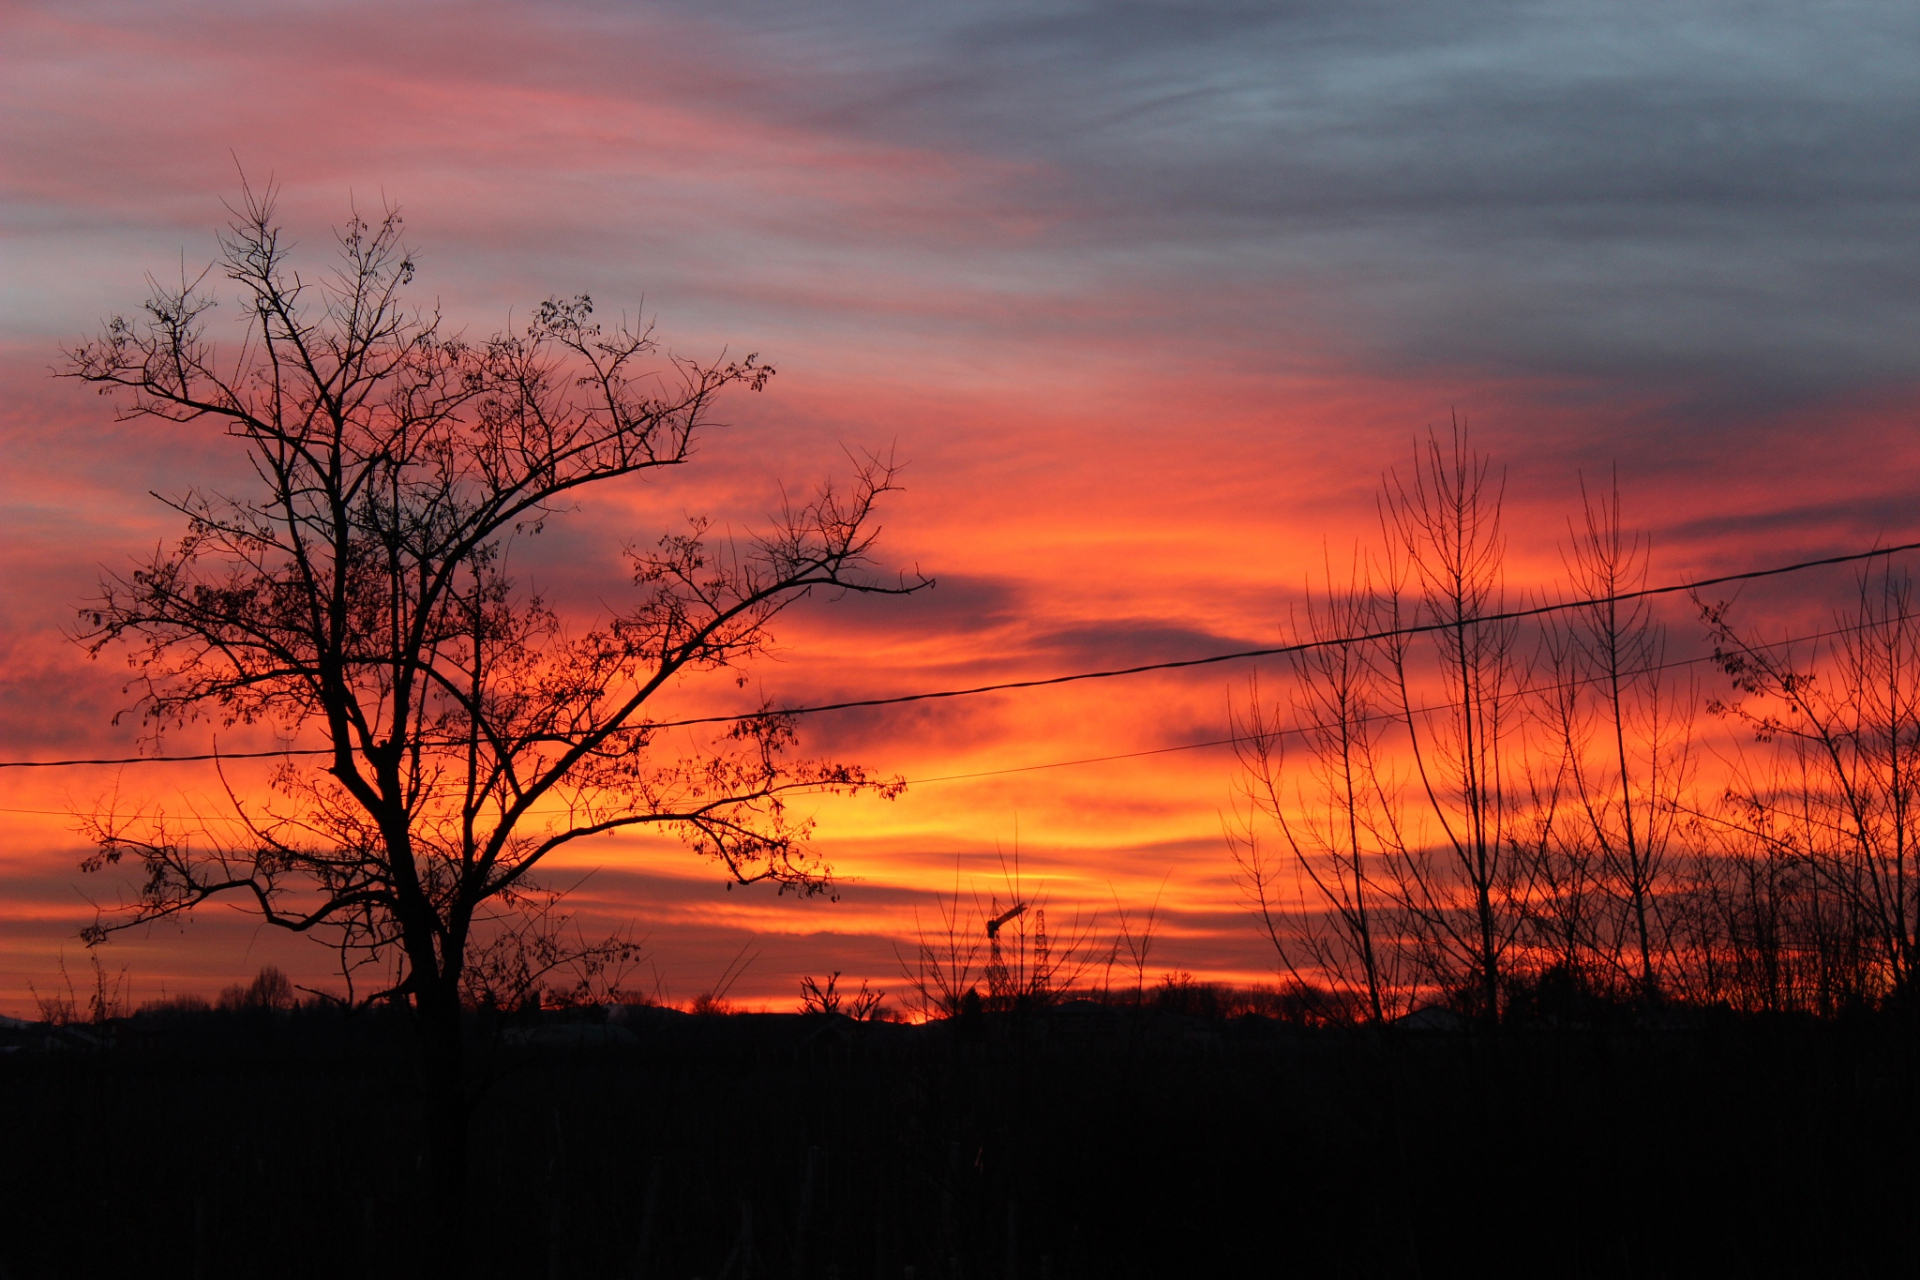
{"x":1085,"y":1142}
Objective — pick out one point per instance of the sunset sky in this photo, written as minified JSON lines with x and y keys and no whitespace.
{"x":1147,"y":298}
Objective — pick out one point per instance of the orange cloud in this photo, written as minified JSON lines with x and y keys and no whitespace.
{"x":1128,"y":439}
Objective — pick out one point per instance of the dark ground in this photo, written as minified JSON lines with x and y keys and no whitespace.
{"x":1083,"y":1144}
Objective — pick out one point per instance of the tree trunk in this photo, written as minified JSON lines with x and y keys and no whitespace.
{"x":444,"y":1108}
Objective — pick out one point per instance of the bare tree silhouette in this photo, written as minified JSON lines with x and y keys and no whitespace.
{"x":1624,"y":724}
{"x":1465,"y":892}
{"x":1847,"y":804}
{"x":1337,"y":841}
{"x":359,"y":595}
{"x":1547,"y":839}
{"x":1136,"y":937}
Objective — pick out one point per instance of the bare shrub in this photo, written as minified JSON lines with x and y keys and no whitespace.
{"x":65,"y":1006}
{"x":826,"y":997}
{"x":1002,"y":941}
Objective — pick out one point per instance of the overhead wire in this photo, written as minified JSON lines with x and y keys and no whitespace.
{"x":1523,"y":691}
{"x":1286,"y":731}
{"x":1510,"y":615}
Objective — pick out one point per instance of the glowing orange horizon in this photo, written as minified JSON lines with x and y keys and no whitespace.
{"x":1110,"y":457}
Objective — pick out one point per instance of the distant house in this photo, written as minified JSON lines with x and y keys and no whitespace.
{"x":14,"y":1033}
{"x":1430,"y":1017}
{"x":571,"y":1035}
{"x":18,"y":1035}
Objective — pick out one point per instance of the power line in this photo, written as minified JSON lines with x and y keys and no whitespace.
{"x":1301,"y":647}
{"x":1425,"y":709}
{"x":1233,"y":739}
{"x":1510,"y":615}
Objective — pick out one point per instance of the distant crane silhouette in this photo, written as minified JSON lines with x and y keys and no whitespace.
{"x":998,"y":977}
{"x":993,"y":925}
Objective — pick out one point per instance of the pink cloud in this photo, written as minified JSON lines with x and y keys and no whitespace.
{"x":1118,"y":450}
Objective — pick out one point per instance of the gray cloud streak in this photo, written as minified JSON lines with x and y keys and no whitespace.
{"x":1691,"y":192}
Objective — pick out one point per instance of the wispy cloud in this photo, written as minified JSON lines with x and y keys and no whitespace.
{"x":1148,"y":296}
